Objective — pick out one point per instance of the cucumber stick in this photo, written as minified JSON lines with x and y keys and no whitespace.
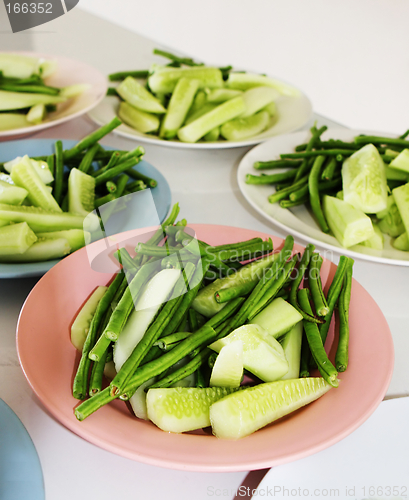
{"x":213,"y":135}
{"x":349,"y":225}
{"x":16,"y":238}
{"x":277,"y":318}
{"x":228,"y":367}
{"x":291,"y":343}
{"x":244,"y":412}
{"x":390,"y":219}
{"x":179,"y":104}
{"x":401,"y":195}
{"x":221,"y":95}
{"x":402,"y":242}
{"x":183,"y":409}
{"x":401,"y":162}
{"x":74,"y":90}
{"x":139,"y":120}
{"x":18,"y":66}
{"x":245,"y":81}
{"x":257,"y":98}
{"x":376,"y":241}
{"x":41,"y":250}
{"x":262,"y":354}
{"x":40,"y":167}
{"x":9,"y":121}
{"x":24,"y":175}
{"x":243,"y":128}
{"x":221,"y":114}
{"x":81,"y":192}
{"x":36,"y":114}
{"x":20,"y":100}
{"x":136,"y":94}
{"x":77,"y":238}
{"x":13,"y":195}
{"x":164,"y":79}
{"x":82,"y":322}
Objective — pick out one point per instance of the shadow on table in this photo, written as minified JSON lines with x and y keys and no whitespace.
{"x":250,"y":484}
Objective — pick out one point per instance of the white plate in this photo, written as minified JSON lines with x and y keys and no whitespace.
{"x":292,"y":114}
{"x":298,"y":220}
{"x":371,"y":463}
{"x":69,"y":72}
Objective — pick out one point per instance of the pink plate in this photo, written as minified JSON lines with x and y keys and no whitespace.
{"x":49,"y":362}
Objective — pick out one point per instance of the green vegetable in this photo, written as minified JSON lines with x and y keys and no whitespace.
{"x":10,"y":194}
{"x":243,"y":128}
{"x":36,"y":114}
{"x":81,"y":192}
{"x":164,"y":79}
{"x":391,"y":221}
{"x":221,"y":95}
{"x":402,"y":242}
{"x":77,"y":238}
{"x":228,"y":368}
{"x":10,"y":121}
{"x":137,"y":119}
{"x":21,"y":100}
{"x":136,"y":94}
{"x":291,"y":343}
{"x":41,"y":250}
{"x":245,"y":81}
{"x":16,"y":239}
{"x":277,"y":318}
{"x":401,"y":195}
{"x":258,"y":98}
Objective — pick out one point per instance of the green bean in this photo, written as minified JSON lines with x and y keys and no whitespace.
{"x":341,"y":356}
{"x":88,"y":158}
{"x":260,"y":165}
{"x":141,"y":177}
{"x":111,"y":186}
{"x":98,"y":202}
{"x":329,"y":170}
{"x":373,"y":139}
{"x":112,"y":91}
{"x":319,"y":152}
{"x":121,"y":75}
{"x":291,"y":204}
{"x":241,"y":290}
{"x":283,"y":193}
{"x":97,"y":372}
{"x":305,"y":357}
{"x":114,"y":171}
{"x":302,"y":193}
{"x":315,"y":201}
{"x":100,"y":348}
{"x":315,"y":135}
{"x":192,"y":320}
{"x":135,"y":186}
{"x":243,"y":253}
{"x":92,"y":138}
{"x":232,"y":246}
{"x":113,"y":160}
{"x":33,"y":89}
{"x":59,"y":172}
{"x":270,"y":179}
{"x":326,"y":368}
{"x":315,"y":285}
{"x":404,"y":135}
{"x":187,"y":61}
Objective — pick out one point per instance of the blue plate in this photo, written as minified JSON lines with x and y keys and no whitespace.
{"x":39,"y":147}
{"x":21,"y":477}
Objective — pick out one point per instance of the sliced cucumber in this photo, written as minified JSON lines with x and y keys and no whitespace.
{"x":183,"y":409}
{"x":245,"y":81}
{"x":401,"y":195}
{"x":136,"y":94}
{"x":401,"y":162}
{"x":277,"y":318}
{"x":213,"y":135}
{"x":82,"y":322}
{"x":16,"y":239}
{"x":393,"y":174}
{"x":13,"y":195}
{"x":221,"y":95}
{"x":18,"y":66}
{"x":179,"y":104}
{"x":221,"y":114}
{"x":243,"y":128}
{"x":10,"y":121}
{"x":271,"y":108}
{"x":349,"y":225}
{"x":164,"y":79}
{"x":391,"y":221}
{"x":262,"y":354}
{"x":24,"y":175}
{"x":41,"y":250}
{"x":39,"y":219}
{"x":81,"y":192}
{"x":138,"y":400}
{"x":137,"y":119}
{"x":228,"y":368}
{"x":402,"y":242}
{"x":20,"y":100}
{"x":244,"y":412}
{"x":208,"y":106}
{"x":376,"y":241}
{"x":257,"y":98}
{"x":74,"y":90}
{"x":77,"y":238}
{"x":36,"y":114}
{"x":291,"y":343}
{"x":40,"y":167}
{"x":47,"y":67}
{"x":364,"y":180}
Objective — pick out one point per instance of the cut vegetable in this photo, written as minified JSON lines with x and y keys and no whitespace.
{"x":10,"y":194}
{"x":349,"y":225}
{"x":401,"y":195}
{"x":164,"y":79}
{"x":18,"y":66}
{"x":137,"y":119}
{"x":136,"y":94}
{"x":138,"y":400}
{"x":36,"y":114}
{"x":364,"y":180}
{"x":376,"y":241}
{"x":244,"y":412}
{"x":244,"y":81}
{"x":221,"y":95}
{"x":10,"y":121}
{"x":41,"y":250}
{"x":277,"y":318}
{"x":391,"y":221}
{"x":401,"y":162}
{"x":257,"y":98}
{"x":20,"y":100}
{"x":402,"y":242}
{"x":291,"y":343}
{"x":228,"y":368}
{"x":81,"y":192}
{"x":41,"y":168}
{"x":183,"y":409}
{"x":74,"y":90}
{"x":82,"y":322}
{"x":16,"y":238}
{"x":77,"y":238}
{"x":262,"y":354}
{"x":243,"y":128}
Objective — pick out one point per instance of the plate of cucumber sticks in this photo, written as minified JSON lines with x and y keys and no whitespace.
{"x":364,"y":176}
{"x":186,"y":104}
{"x":155,"y":197}
{"x":50,"y":362}
{"x":38,"y":91}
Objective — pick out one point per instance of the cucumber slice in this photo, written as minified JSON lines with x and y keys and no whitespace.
{"x":16,"y":239}
{"x":179,"y":104}
{"x":402,"y":242}
{"x":364,"y":180}
{"x":10,"y":121}
{"x":208,"y":106}
{"x":81,"y":192}
{"x":277,"y":318}
{"x":243,"y":128}
{"x":349,"y":225}
{"x":82,"y":322}
{"x":257,"y":98}
{"x":47,"y":67}
{"x":138,"y":400}
{"x":199,"y":101}
{"x":137,"y":119}
{"x":77,"y":238}
{"x":291,"y":343}
{"x":244,"y":412}
{"x":376,"y":241}
{"x":271,"y":108}
{"x":228,"y":368}
{"x":164,"y":79}
{"x":401,"y":162}
{"x":24,"y":175}
{"x":136,"y":94}
{"x":20,"y":100}
{"x":6,"y":178}
{"x":41,"y":168}
{"x":262,"y":354}
{"x":13,"y":195}
{"x":41,"y":250}
{"x":221,"y":95}
{"x":18,"y":66}
{"x":36,"y":114}
{"x":74,"y":90}
{"x":391,"y":221}
{"x":183,"y":409}
{"x":393,"y":174}
{"x":245,"y":81}
{"x":213,"y":135}
{"x":401,"y":195}
{"x":41,"y":220}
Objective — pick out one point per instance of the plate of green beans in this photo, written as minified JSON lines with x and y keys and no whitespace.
{"x":286,"y":179}
{"x":54,"y":367}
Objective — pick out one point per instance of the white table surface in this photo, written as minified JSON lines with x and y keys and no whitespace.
{"x":204,"y":183}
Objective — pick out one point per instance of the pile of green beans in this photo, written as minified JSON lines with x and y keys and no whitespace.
{"x":314,"y":169}
{"x":178,"y":331}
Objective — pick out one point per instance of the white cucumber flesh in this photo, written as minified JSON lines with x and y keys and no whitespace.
{"x":227,"y":370}
{"x":41,"y":250}
{"x":20,"y":100}
{"x":243,"y":128}
{"x":401,"y":162}
{"x":36,"y":114}
{"x":390,"y":220}
{"x":401,"y":195}
{"x":291,"y":343}
{"x":278,"y":317}
{"x":376,"y":241}
{"x":257,"y":98}
{"x":81,"y":192}
{"x":18,"y":66}
{"x":77,"y":238}
{"x":402,"y":242}
{"x":39,"y":166}
{"x":11,"y":121}
{"x":138,"y":400}
{"x":11,"y":194}
{"x":16,"y":239}
{"x":139,"y":120}
{"x":221,"y":95}
{"x":138,"y":96}
{"x":244,"y":412}
{"x":245,"y":81}
{"x":74,"y":90}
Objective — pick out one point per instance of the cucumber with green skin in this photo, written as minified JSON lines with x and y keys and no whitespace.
{"x":12,"y":195}
{"x":136,"y":94}
{"x":139,"y":120}
{"x":242,"y":128}
{"x":277,"y":318}
{"x":16,"y":238}
{"x":41,"y":250}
